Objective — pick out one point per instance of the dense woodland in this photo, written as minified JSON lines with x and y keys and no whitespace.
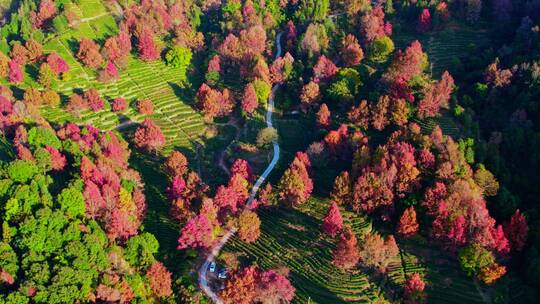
{"x":437,"y":151}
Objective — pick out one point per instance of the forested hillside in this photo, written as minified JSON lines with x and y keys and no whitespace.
{"x":269,"y":151}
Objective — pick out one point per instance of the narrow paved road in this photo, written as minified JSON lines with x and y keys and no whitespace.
{"x":203,"y":282}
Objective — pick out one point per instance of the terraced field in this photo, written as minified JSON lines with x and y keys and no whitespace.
{"x":445,"y":122}
{"x":453,"y":42}
{"x":457,"y":40}
{"x":292,"y":238}
{"x":140,"y":80}
{"x":446,"y":283}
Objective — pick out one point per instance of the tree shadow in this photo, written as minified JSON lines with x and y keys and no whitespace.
{"x":187,"y":96}
{"x":441,"y":271}
{"x":32,"y":70}
{"x":64,"y":100}
{"x":209,"y":154}
{"x":157,"y":220}
{"x":18,"y":93}
{"x":73,"y":45}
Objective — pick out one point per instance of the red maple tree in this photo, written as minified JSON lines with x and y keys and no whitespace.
{"x":332,"y":222}
{"x":119,"y":104}
{"x":414,"y":289}
{"x":176,"y":164}
{"x":323,"y":116}
{"x":516,"y":230}
{"x":197,"y":233}
{"x":345,"y":255}
{"x":148,"y":136}
{"x":408,"y":225}
{"x":160,"y":280}
{"x":146,"y":45}
{"x":249,"y":99}
{"x":89,"y":53}
{"x":424,"y":21}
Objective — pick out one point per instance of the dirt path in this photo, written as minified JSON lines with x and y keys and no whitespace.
{"x":223,"y":153}
{"x":203,"y":282}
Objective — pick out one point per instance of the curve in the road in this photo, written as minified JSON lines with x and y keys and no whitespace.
{"x":203,"y":282}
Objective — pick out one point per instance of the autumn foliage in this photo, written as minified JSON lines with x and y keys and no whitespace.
{"x":345,"y":255}
{"x":516,"y":230}
{"x":377,"y":252}
{"x":351,"y":52}
{"x":15,"y":72}
{"x":437,"y":96}
{"x":372,"y":25}
{"x":46,"y":10}
{"x":249,"y":226}
{"x":119,"y":104}
{"x":295,"y":186}
{"x":176,"y":164}
{"x":197,"y":233}
{"x":323,"y":116}
{"x":408,"y":225}
{"x":414,"y":289}
{"x":424,"y":21}
{"x":214,"y":103}
{"x":252,"y":285}
{"x":146,"y":45}
{"x":148,"y":136}
{"x":57,"y":64}
{"x":89,"y":53}
{"x":145,"y":106}
{"x":160,"y":280}
{"x":249,"y":99}
{"x":332,"y":222}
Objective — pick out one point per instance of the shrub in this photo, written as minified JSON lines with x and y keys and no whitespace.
{"x":50,"y":98}
{"x":119,"y":104}
{"x":266,"y":136}
{"x":33,"y":96}
{"x":145,"y":107}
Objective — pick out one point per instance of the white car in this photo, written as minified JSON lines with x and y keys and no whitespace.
{"x":212,"y":267}
{"x":222,"y":274}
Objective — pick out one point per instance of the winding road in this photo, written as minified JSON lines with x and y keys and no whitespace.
{"x":203,"y":282}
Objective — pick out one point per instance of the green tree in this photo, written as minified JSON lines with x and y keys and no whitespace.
{"x":41,"y":137}
{"x":312,"y":10}
{"x":140,"y":250}
{"x":8,"y":260}
{"x":179,"y":57}
{"x":474,"y":257}
{"x":262,"y":89}
{"x":46,"y":77}
{"x":21,"y":170}
{"x":43,"y":159}
{"x":380,"y":49}
{"x":71,"y":201}
{"x":346,"y":85}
